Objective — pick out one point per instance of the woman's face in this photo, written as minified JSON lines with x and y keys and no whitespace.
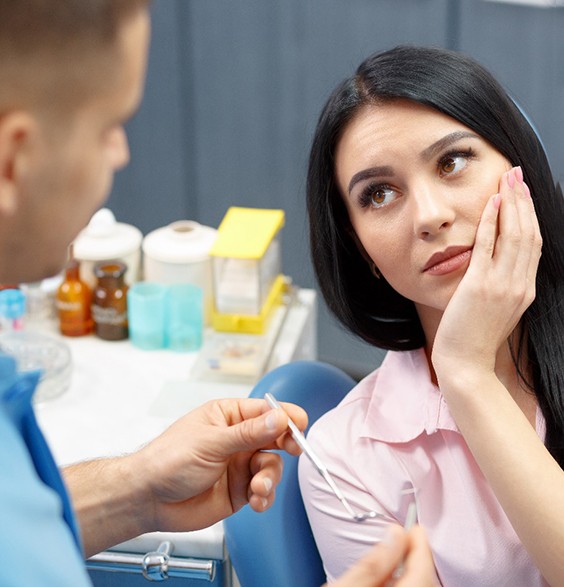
{"x":415,"y":183}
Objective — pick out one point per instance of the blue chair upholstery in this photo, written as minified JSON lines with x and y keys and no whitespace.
{"x":276,"y":548}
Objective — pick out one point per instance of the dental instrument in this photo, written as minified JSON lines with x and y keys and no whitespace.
{"x":318,"y":464}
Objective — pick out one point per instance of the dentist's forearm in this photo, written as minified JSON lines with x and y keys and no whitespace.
{"x":110,"y":503}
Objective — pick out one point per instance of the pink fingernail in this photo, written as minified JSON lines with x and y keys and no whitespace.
{"x":518,"y":174}
{"x":511,"y":178}
{"x":527,"y":190}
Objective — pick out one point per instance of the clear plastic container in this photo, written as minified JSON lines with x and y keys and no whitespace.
{"x":230,"y":357}
{"x":33,"y":351}
{"x":246,"y":269}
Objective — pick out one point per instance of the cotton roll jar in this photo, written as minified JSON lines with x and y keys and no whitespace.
{"x":106,"y":239}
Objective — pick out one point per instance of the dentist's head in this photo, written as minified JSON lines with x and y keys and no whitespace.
{"x":71,"y":74}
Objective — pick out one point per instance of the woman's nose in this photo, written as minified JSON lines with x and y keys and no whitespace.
{"x":432,"y":211}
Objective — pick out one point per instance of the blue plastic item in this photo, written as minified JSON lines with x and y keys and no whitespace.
{"x":277,"y":548}
{"x":12,"y":303}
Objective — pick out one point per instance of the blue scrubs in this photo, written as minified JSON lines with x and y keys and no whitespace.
{"x":39,"y":540}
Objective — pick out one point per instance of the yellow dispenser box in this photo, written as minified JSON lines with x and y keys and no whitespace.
{"x":246,"y":267}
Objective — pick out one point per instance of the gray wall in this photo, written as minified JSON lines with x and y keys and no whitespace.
{"x":234,"y":89}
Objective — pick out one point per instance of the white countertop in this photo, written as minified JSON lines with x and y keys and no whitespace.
{"x":121,"y":397}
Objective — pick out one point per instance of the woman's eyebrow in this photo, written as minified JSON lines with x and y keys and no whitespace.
{"x":432,"y":150}
{"x":384,"y":170}
{"x":428,"y":153}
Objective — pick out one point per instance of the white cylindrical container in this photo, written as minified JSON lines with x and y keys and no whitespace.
{"x":105,"y":239}
{"x":179,"y":253}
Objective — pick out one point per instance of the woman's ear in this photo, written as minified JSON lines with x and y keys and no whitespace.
{"x":359,"y":246}
{"x":371,"y":265}
{"x":16,"y":129}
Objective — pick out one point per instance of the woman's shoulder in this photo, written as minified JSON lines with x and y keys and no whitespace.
{"x":353,"y":405}
{"x":355,"y":400}
{"x":398,"y":381}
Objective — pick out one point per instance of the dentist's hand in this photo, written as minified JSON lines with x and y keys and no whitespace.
{"x":203,"y":468}
{"x":210,"y":463}
{"x":377,"y":568}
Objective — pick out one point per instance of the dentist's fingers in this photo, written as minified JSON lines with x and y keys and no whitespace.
{"x":418,"y":566}
{"x":375,"y":568}
{"x":266,"y":468}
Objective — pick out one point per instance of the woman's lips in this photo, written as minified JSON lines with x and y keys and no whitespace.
{"x":448,"y":261}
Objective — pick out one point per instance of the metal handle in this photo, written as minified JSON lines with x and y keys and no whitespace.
{"x":155,"y":566}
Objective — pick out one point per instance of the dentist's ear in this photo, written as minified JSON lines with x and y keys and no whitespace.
{"x":16,"y":128}
{"x":7,"y":198}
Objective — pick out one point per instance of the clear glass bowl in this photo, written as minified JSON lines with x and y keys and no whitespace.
{"x":34,"y":351}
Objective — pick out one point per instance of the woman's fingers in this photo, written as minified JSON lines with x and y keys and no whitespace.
{"x":486,"y":237}
{"x":508,"y":241}
{"x":531,"y":238}
{"x":519,"y":241}
{"x":518,"y":228}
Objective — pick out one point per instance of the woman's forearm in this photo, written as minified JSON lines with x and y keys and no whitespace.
{"x":527,"y":481}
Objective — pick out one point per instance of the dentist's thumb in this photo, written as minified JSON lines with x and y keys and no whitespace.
{"x":254,"y":433}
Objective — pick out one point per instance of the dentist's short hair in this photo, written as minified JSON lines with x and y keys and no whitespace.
{"x":51,"y":48}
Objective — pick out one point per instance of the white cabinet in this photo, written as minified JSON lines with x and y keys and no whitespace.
{"x":121,"y":397}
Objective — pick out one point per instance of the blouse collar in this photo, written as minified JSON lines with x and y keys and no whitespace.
{"x":404,"y":401}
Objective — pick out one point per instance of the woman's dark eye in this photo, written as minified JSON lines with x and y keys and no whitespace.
{"x":377,"y":196}
{"x":452,"y":164}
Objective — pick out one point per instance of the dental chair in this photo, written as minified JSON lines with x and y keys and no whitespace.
{"x":276,"y":548}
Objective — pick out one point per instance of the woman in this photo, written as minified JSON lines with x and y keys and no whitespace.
{"x":429,"y":197}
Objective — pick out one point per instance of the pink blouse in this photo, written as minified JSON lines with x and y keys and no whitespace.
{"x":392,"y":440}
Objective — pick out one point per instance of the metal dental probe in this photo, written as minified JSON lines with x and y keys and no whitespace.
{"x":318,"y":463}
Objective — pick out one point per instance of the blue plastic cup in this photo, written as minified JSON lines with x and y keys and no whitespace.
{"x":185,"y":321}
{"x":147,"y":311}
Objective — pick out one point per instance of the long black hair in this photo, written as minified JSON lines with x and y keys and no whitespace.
{"x":457,"y":86}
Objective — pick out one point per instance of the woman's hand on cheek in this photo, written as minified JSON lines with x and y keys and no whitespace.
{"x":499,"y":283}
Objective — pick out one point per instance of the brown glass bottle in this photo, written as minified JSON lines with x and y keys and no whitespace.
{"x":109,"y":302}
{"x":73,"y":301}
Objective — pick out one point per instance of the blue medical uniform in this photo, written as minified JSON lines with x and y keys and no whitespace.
{"x":39,"y":540}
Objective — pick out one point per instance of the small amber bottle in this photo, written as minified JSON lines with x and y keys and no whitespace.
{"x":109,"y":302}
{"x":73,"y":301}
